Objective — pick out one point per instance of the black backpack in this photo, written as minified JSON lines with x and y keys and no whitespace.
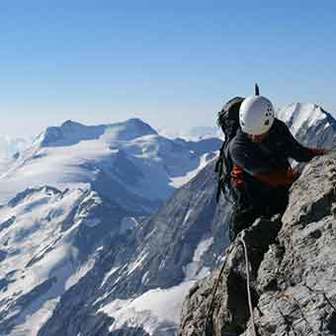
{"x":228,"y":120}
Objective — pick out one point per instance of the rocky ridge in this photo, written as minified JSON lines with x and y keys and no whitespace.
{"x":292,"y":269}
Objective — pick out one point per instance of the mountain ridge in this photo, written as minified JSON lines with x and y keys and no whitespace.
{"x":130,"y":155}
{"x":71,"y":132}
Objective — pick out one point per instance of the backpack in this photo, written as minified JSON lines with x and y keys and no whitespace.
{"x":228,"y":120}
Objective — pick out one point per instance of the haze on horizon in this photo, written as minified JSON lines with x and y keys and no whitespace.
{"x":171,"y":64}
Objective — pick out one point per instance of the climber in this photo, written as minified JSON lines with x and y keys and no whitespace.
{"x":261,"y":174}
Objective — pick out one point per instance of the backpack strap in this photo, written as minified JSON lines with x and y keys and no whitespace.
{"x":223,"y":161}
{"x":219,"y":171}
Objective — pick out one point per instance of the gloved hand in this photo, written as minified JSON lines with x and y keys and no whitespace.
{"x":319,"y":151}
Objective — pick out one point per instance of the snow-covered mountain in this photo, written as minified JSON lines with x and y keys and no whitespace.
{"x":128,"y":161}
{"x":122,"y":274}
{"x":103,"y":180}
{"x":48,"y":242}
{"x":310,"y":123}
{"x":139,"y":286}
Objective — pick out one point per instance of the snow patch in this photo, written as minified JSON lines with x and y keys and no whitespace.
{"x":34,"y":322}
{"x":150,"y":310}
{"x":79,"y":274}
{"x":39,"y":255}
{"x":134,"y":265}
{"x":187,"y":216}
{"x":144,"y":278}
{"x":109,"y":274}
{"x":194,"y":270}
{"x":178,"y":182}
{"x":299,"y":115}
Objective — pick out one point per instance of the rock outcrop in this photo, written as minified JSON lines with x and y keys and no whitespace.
{"x":291,"y":267}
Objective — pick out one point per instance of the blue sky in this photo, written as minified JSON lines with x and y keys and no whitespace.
{"x":172,"y":63}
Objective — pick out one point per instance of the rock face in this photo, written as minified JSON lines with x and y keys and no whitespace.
{"x":292,"y":269}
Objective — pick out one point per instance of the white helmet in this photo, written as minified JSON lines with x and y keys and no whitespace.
{"x":256,"y":115}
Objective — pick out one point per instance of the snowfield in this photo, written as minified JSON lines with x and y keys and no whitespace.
{"x":156,"y":311}
{"x":38,"y":255}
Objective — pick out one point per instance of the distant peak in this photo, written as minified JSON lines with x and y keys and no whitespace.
{"x":130,"y":129}
{"x":69,"y":133}
{"x":70,"y":123}
{"x":137,"y":122}
{"x":304,"y":115}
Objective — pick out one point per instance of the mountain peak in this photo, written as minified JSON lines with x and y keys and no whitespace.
{"x":299,"y":116}
{"x":71,"y":132}
{"x":133,"y":128}
{"x":70,"y":123}
{"x":136,"y":121}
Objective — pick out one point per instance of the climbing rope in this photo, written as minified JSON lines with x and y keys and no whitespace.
{"x":216,"y":284}
{"x":213,"y":297}
{"x":248,"y":283}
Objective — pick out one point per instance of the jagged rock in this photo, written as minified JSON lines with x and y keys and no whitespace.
{"x":292,"y":272}
{"x":230,"y":299}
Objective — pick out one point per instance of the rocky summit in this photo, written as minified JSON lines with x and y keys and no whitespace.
{"x":291,"y":270}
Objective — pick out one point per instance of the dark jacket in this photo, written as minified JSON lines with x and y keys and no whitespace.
{"x":261,"y":172}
